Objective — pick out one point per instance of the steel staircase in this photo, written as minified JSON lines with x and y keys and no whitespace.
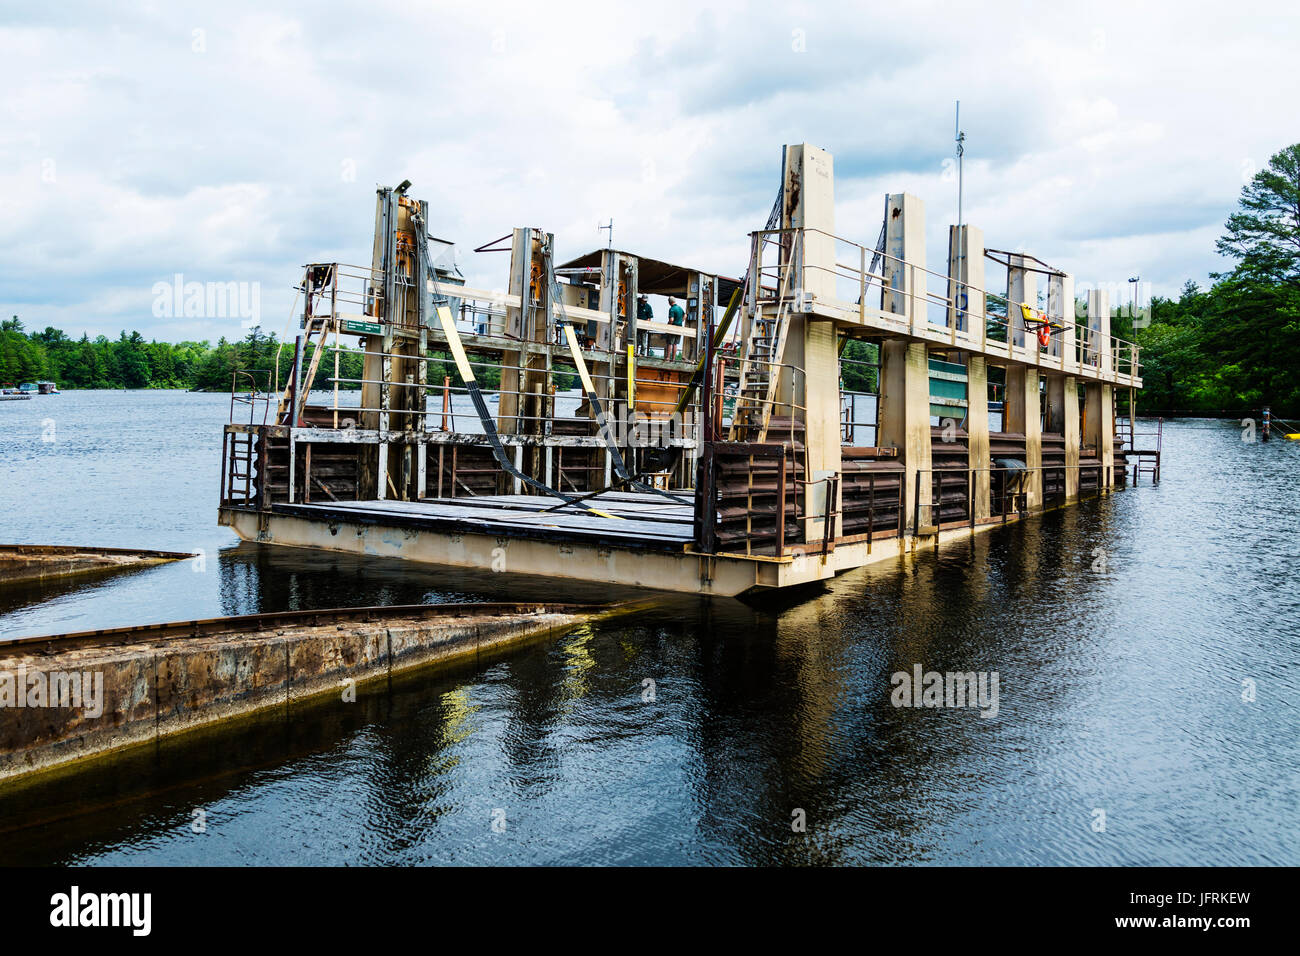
{"x":760,"y":367}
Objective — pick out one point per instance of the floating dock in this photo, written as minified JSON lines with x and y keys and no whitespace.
{"x":717,"y":452}
{"x":72,"y":696}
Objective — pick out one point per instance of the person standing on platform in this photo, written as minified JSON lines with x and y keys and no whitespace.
{"x":644,"y":312}
{"x":676,"y":316}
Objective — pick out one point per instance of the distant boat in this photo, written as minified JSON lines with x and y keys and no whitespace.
{"x":47,"y":388}
{"x":29,"y":388}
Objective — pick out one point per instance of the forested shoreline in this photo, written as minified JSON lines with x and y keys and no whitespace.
{"x":130,"y":362}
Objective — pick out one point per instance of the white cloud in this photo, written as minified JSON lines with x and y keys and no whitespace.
{"x":214,"y":140}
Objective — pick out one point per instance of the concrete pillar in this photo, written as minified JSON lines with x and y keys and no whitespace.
{"x":1023,"y":415}
{"x":977,"y":428}
{"x":904,"y":416}
{"x":1063,"y":408}
{"x":966,"y":281}
{"x":1098,"y":353}
{"x":966,"y":312}
{"x":1060,"y":310}
{"x":904,"y":291}
{"x":1099,"y":413}
{"x":809,"y":203}
{"x":1022,"y":286}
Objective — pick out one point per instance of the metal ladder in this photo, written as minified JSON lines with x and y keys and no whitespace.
{"x":760,"y":369}
{"x":315,"y":325}
{"x":239,"y":466}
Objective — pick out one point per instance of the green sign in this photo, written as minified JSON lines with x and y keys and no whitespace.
{"x":362,"y":328}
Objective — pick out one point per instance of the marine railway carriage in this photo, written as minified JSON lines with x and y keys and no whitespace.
{"x":734,"y":461}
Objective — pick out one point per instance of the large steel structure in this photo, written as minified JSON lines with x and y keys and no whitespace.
{"x":552,"y":428}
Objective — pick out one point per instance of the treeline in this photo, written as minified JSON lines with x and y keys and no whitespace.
{"x":1233,"y":348}
{"x":129,"y":361}
{"x":1236,"y":346}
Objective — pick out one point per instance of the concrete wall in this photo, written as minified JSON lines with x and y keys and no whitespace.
{"x":159,"y":688}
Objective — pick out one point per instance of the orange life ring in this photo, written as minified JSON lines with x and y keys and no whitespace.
{"x":1044,"y":335}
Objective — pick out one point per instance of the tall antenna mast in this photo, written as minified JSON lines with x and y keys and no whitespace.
{"x":961,"y":149}
{"x":610,"y":227}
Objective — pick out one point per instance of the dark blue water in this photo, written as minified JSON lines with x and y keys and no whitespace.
{"x":1121,"y":632}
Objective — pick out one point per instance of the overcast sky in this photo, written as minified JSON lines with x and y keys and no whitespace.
{"x":233,"y":142}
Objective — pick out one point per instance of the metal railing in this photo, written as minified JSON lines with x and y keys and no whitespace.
{"x":907,"y":304}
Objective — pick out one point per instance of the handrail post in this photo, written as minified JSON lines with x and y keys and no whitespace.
{"x":871,"y":507}
{"x":916,"y":506}
{"x":970,"y":496}
{"x":862,"y":285}
{"x":780,"y":505}
{"x":902,"y":516}
{"x":911,"y":294}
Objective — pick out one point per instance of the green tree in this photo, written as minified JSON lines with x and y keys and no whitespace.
{"x":1264,"y":235}
{"x":1237,"y":346}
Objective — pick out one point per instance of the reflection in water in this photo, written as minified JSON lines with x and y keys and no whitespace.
{"x":257,"y":578}
{"x":29,"y":594}
{"x":1121,"y":631}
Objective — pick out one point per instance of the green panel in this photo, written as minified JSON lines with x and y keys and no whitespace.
{"x":955,"y":412}
{"x":949,"y":368}
{"x":942,"y":388}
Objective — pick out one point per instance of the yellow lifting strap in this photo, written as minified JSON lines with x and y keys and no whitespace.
{"x":576,"y":351}
{"x":453,"y":341}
